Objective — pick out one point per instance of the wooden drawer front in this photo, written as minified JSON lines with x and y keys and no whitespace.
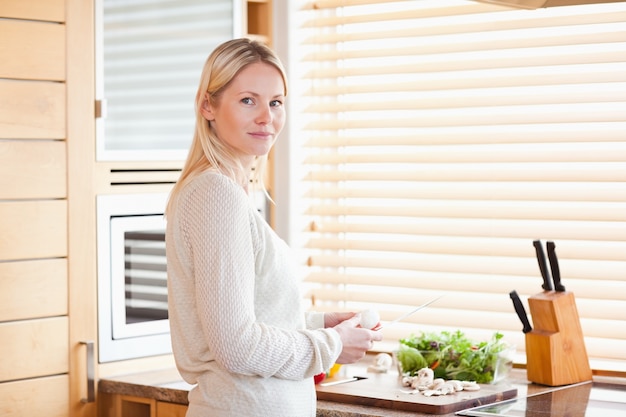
{"x":33,"y":229}
{"x":33,"y":169}
{"x":36,"y":397}
{"x":170,"y":410}
{"x":31,"y":110}
{"x":32,"y":50}
{"x":50,"y":10}
{"x":33,"y":289}
{"x":38,"y":348}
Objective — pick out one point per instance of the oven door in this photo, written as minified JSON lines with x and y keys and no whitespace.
{"x":132,"y":277}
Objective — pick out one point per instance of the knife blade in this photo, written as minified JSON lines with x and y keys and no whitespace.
{"x":543,"y":267}
{"x":554,"y":267}
{"x":521,"y":311}
{"x":342,"y":381}
{"x":410,"y":313}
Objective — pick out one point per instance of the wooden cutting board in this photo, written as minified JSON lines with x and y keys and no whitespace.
{"x":386,"y":391}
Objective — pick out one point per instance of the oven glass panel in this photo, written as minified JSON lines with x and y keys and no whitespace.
{"x":138,"y":276}
{"x":145,"y":276}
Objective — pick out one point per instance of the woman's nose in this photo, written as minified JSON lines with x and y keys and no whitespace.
{"x":264,"y":116}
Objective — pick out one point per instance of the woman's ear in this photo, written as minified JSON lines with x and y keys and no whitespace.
{"x":206,"y":109}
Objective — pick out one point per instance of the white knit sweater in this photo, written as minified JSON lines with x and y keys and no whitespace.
{"x":237,"y":325}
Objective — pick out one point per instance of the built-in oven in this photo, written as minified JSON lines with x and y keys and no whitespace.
{"x":132,"y":277}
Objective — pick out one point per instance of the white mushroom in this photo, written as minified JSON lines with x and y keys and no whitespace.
{"x":425,"y":377}
{"x":447,"y":388}
{"x":470,"y":386}
{"x":369,"y":318}
{"x":429,"y":386}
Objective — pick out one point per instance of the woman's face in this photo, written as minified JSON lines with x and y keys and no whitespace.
{"x":249,"y":114}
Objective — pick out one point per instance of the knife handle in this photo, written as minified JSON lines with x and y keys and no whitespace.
{"x":521,"y":311}
{"x":554,"y":267}
{"x":543,"y":267}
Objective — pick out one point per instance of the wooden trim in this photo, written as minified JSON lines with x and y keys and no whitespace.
{"x":81,"y":226}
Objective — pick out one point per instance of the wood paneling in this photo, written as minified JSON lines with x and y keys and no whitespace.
{"x":31,"y":109}
{"x":35,"y":397}
{"x":33,"y":229}
{"x":39,"y":54}
{"x":38,"y":348}
{"x":33,"y":289}
{"x":50,"y":10}
{"x":33,"y":169}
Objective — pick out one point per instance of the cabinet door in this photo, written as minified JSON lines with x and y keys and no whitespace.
{"x":170,"y":410}
{"x":149,"y":56}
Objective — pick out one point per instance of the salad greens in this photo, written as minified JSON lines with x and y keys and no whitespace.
{"x":451,"y":355}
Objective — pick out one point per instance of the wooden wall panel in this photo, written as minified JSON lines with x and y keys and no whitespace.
{"x":39,"y":54}
{"x":31,"y":109}
{"x":33,"y":229}
{"x":33,"y":169}
{"x":50,"y":10}
{"x":38,"y":348}
{"x":35,"y":397}
{"x":33,"y":289}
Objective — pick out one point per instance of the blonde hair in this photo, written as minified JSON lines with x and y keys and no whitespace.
{"x":207,"y":150}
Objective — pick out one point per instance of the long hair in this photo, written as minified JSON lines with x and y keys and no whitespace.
{"x":207,"y":151}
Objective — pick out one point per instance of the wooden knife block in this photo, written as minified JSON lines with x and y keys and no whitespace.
{"x":555,"y":348}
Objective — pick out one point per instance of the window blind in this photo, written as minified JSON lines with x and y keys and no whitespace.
{"x":440,"y":138}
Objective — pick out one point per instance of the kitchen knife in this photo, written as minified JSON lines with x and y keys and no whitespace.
{"x":410,"y":313}
{"x":521,"y":311}
{"x":554,"y":267}
{"x":543,"y":267}
{"x":342,"y":381}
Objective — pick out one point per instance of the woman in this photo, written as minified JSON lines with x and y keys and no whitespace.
{"x":238,"y":330}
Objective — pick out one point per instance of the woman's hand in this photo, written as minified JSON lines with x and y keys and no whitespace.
{"x":333,"y":319}
{"x":355,"y":339}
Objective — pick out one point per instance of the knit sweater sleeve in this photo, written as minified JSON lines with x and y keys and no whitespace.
{"x":216,"y":223}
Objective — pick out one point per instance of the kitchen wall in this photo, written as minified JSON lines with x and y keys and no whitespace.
{"x":34,"y":321}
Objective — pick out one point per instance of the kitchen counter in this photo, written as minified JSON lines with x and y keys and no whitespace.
{"x":166,"y":385}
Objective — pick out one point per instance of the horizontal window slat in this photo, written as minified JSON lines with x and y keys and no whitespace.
{"x":409,"y":223}
{"x":437,"y":21}
{"x":605,"y":172}
{"x":591,"y":288}
{"x":460,"y":244}
{"x":452,"y":301}
{"x":519,"y":96}
{"x":511,"y":115}
{"x":505,"y":191}
{"x":574,"y":269}
{"x":519,"y":59}
{"x":488,"y":209}
{"x":484,"y":78}
{"x":478,"y":135}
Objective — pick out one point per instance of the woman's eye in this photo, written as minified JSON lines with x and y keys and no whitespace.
{"x":276,"y":103}
{"x":247,"y":100}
